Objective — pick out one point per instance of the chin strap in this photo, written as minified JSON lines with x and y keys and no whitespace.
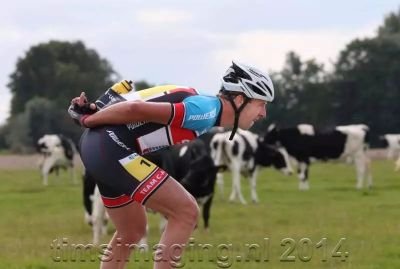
{"x":237,"y":114}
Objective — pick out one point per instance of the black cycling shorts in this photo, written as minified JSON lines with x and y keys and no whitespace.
{"x":122,"y":175}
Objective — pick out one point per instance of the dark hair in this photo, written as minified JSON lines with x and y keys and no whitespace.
{"x":224,"y":93}
{"x":229,"y":94}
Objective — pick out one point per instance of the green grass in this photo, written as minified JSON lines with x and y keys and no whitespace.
{"x":33,"y":216}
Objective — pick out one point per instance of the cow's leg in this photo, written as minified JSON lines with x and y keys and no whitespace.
{"x":143,"y":243}
{"x":303,"y":176}
{"x":162,"y":224}
{"x":41,"y":161}
{"x":236,"y":190}
{"x":72,"y":169}
{"x":45,"y":178}
{"x":397,"y":167}
{"x":88,"y":191}
{"x":87,"y":218}
{"x":368,"y":172}
{"x":363,"y":169}
{"x":98,"y":217}
{"x":56,"y":170}
{"x":220,"y":183}
{"x":390,"y":153}
{"x":206,"y":212}
{"x":216,"y":155}
{"x":253,"y":184}
{"x":47,"y":165}
{"x":349,"y":160}
{"x":233,"y":194}
{"x":360,"y":162}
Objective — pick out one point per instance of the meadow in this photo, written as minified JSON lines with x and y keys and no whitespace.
{"x":332,"y":225}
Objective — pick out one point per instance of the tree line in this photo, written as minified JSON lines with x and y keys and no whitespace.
{"x":362,"y":87}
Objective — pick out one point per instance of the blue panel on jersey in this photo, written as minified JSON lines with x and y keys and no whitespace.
{"x":201,"y":112}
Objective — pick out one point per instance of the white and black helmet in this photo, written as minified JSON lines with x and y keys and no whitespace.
{"x":248,"y":80}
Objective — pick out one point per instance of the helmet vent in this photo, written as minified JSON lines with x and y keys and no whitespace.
{"x":267,"y":87}
{"x":231,"y":78}
{"x":255,"y":89}
{"x":240,"y":73}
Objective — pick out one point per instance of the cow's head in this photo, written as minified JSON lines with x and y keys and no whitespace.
{"x":216,"y":148}
{"x":271,"y":136}
{"x":268,"y":155}
{"x":48,"y":143}
{"x":383,"y":142}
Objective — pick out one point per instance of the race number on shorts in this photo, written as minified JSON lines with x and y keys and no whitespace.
{"x":139,"y":167}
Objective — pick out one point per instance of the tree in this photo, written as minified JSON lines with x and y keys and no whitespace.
{"x":391,"y":27}
{"x":366,"y":84}
{"x":17,"y":136}
{"x":141,"y":85}
{"x":43,"y":84}
{"x":40,"y":117}
{"x":57,"y":70}
{"x":300,"y":94}
{"x":43,"y":118}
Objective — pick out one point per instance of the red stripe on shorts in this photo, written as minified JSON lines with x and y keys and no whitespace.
{"x":117,"y":201}
{"x":150,"y":185}
{"x":141,"y":194}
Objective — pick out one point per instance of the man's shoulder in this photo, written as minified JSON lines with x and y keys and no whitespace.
{"x":199,"y":103}
{"x":202,"y":97}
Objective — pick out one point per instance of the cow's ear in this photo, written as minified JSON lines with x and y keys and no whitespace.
{"x":279,"y":144}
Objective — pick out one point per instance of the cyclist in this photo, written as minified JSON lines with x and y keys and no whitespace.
{"x":118,"y":135}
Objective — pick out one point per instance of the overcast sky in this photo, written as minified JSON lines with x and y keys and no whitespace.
{"x":187,"y":42}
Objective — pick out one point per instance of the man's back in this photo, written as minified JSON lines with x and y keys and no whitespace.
{"x":192,"y":115}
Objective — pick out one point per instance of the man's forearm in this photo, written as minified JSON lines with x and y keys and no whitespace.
{"x":120,"y":113}
{"x":130,"y":111}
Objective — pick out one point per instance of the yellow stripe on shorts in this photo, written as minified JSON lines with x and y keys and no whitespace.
{"x":139,"y":167}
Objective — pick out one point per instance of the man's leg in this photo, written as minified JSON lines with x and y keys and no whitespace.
{"x":130,"y":223}
{"x":181,"y":211}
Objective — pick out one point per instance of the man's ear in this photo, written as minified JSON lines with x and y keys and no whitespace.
{"x":239,"y":100}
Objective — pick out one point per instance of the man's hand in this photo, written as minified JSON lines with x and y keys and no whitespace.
{"x":80,"y":109}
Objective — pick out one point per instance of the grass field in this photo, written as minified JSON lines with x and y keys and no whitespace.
{"x":34,"y":217}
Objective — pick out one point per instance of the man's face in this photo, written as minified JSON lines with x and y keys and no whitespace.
{"x":253,"y":111}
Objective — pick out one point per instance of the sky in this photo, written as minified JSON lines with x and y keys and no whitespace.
{"x":188,"y":42}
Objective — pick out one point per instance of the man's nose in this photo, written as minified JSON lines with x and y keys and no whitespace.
{"x":263,"y":112}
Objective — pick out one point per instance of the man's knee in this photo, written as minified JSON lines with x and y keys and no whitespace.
{"x":132,"y":236}
{"x":188,"y":212}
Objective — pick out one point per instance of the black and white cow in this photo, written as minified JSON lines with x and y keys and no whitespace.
{"x":244,"y":154}
{"x":95,"y":212}
{"x":393,"y":145}
{"x":57,"y":151}
{"x":304,"y":143}
{"x":393,"y":148}
{"x":397,"y":165}
{"x":190,"y":164}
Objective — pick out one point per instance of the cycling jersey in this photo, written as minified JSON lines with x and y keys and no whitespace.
{"x":192,"y":115}
{"x":112,"y":153}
